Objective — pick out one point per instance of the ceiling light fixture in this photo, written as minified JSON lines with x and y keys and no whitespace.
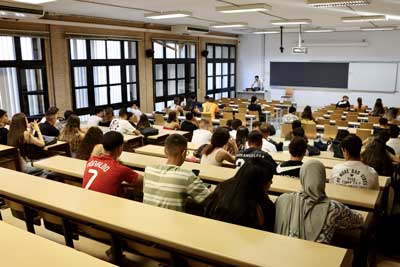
{"x":364,"y":18}
{"x":316,"y":30}
{"x":337,"y":3}
{"x":168,"y":14}
{"x":266,"y":31}
{"x":385,"y":28}
{"x":244,"y":8}
{"x":291,"y":22}
{"x":229,"y":25}
{"x":35,"y":2}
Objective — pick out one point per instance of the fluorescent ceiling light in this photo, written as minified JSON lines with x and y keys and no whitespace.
{"x":337,"y":3}
{"x":364,"y":18}
{"x":36,"y":2}
{"x":291,"y":22}
{"x":387,"y":28}
{"x":168,"y":15}
{"x":244,"y":8}
{"x":266,"y":31}
{"x":319,"y":30}
{"x":229,"y":25}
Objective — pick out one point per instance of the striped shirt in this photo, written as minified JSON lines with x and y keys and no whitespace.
{"x":168,"y":186}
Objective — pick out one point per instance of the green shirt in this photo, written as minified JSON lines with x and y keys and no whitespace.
{"x":168,"y":186}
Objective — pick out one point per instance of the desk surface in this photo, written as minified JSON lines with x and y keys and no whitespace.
{"x":236,"y":245}
{"x":5,"y":148}
{"x":21,"y":248}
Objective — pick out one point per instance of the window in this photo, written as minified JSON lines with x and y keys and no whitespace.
{"x":221,"y":70}
{"x":174,"y":69}
{"x":23,"y":79}
{"x":104,"y":73}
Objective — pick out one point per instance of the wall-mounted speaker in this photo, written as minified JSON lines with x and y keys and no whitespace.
{"x":150,"y":53}
{"x":204,"y":53}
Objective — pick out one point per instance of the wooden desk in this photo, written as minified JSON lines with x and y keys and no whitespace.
{"x":9,"y":158}
{"x":131,"y":141}
{"x":60,"y":147}
{"x":193,"y":146}
{"x":20,"y":248}
{"x":177,"y":231}
{"x":169,"y":132}
{"x":360,"y":198}
{"x":284,"y":156}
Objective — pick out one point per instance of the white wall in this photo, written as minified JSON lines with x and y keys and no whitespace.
{"x":383,"y":46}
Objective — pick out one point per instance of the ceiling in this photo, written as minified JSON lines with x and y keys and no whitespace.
{"x":204,"y":12}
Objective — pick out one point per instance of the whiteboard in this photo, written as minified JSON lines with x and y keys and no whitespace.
{"x":378,"y":77}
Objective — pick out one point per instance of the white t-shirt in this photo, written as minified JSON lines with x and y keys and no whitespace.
{"x":94,"y":120}
{"x":233,"y":133}
{"x":355,"y":174}
{"x":201,"y":137}
{"x":289,"y":118}
{"x":395,"y":144}
{"x":122,"y":126}
{"x":268,"y":147}
{"x":136,"y":112}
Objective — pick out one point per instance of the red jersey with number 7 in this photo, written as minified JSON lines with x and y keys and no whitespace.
{"x":104,"y":174}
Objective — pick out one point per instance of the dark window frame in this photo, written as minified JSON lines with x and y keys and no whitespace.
{"x":221,"y":60}
{"x":21,"y":65}
{"x":187,"y":61}
{"x":90,"y":63}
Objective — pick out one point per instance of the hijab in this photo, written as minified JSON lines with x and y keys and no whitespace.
{"x":303,"y":214}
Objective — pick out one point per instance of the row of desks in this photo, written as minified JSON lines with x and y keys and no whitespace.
{"x":187,"y":234}
{"x":356,"y":197}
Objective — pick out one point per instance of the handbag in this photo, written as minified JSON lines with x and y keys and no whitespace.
{"x":149,"y":131}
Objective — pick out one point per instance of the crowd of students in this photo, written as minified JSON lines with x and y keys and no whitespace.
{"x":243,"y":199}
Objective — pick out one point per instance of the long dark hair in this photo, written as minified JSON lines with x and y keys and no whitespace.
{"x":236,"y":200}
{"x":359,"y":101}
{"x":376,"y":156}
{"x":17,"y":128}
{"x":93,"y":137}
{"x":171,"y":117}
{"x":219,"y":138}
{"x":241,"y":137}
{"x":143,"y":122}
{"x":307,"y":113}
{"x":378,"y":108}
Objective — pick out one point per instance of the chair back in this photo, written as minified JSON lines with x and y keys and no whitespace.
{"x":159,"y":119}
{"x":366,"y":125}
{"x":310,"y":130}
{"x":228,"y":115}
{"x":242,"y":117}
{"x":363,"y":133}
{"x":342,"y":123}
{"x":330,"y":131}
{"x":373,"y":120}
{"x":286,"y":128}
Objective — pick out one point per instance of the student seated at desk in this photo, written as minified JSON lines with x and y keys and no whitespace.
{"x":378,"y":110}
{"x":376,"y":156}
{"x":255,"y":141}
{"x":24,"y":139}
{"x":384,"y":136}
{"x":95,"y":120}
{"x":244,"y":201}
{"x":234,"y":126}
{"x":335,"y":146}
{"x":122,"y":124}
{"x":108,"y":117}
{"x":143,"y":122}
{"x":353,"y":172}
{"x":52,"y":110}
{"x":48,"y":127}
{"x":202,"y":135}
{"x":267,"y":146}
{"x":72,"y":134}
{"x":190,"y":124}
{"x":176,"y":106}
{"x":310,"y":214}
{"x":216,"y":152}
{"x":242,"y":135}
{"x":172,"y":122}
{"x":3,"y":129}
{"x":136,"y":112}
{"x":91,"y":144}
{"x":104,"y":173}
{"x":291,"y":116}
{"x":63,"y":121}
{"x":360,"y":107}
{"x":168,"y":185}
{"x":394,"y":141}
{"x":295,"y":124}
{"x":297,"y":150}
{"x":311,"y":150}
{"x":254,"y":106}
{"x":210,"y":107}
{"x":306,"y":116}
{"x":383,"y":125}
{"x":344,"y":103}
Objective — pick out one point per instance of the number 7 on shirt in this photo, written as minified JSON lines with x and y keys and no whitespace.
{"x":91,"y":180}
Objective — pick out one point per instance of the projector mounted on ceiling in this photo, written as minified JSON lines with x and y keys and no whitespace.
{"x":189,"y":29}
{"x":337,"y":3}
{"x":300,"y":49}
{"x":19,"y":11}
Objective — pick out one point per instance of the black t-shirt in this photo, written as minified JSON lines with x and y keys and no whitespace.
{"x":255,"y":107}
{"x":188,"y":126}
{"x":251,"y":153}
{"x":290,"y":168}
{"x":3,"y":136}
{"x":343,"y":104}
{"x":48,"y":129}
